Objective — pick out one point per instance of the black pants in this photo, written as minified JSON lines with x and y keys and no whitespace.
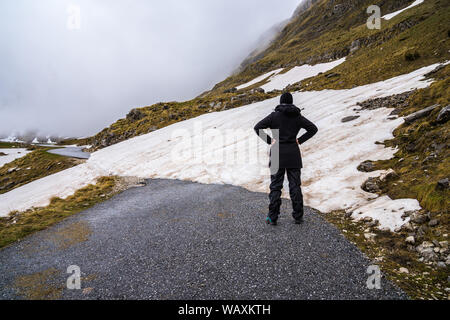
{"x":295,"y":192}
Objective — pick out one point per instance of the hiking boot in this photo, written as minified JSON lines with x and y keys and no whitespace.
{"x":269,"y":221}
{"x":298,"y":221}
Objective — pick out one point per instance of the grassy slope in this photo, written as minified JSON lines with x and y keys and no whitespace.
{"x":384,"y":60}
{"x":318,"y":36}
{"x":417,"y":173}
{"x":35,"y":165}
{"x":18,"y":225}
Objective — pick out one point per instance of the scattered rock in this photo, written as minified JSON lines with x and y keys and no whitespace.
{"x":259,"y":90}
{"x":370,"y":236}
{"x":350,"y":118}
{"x":3,"y":154}
{"x":355,"y":45}
{"x":442,"y":184}
{"x":435,"y":243}
{"x":366,"y":166}
{"x":389,"y":175}
{"x":230,"y":90}
{"x":410,"y":240}
{"x":433,"y":223}
{"x":420,"y":114}
{"x":332,"y":74}
{"x":408,"y":227}
{"x":152,"y":128}
{"x":427,"y":252}
{"x":11,"y":170}
{"x":441,"y":264}
{"x":135,"y":115}
{"x":397,"y":101}
{"x":422,"y":230}
{"x":444,"y":115}
{"x":395,"y":112}
{"x":403,"y":270}
{"x":371,"y":185}
{"x":373,"y":223}
{"x":419,"y":218}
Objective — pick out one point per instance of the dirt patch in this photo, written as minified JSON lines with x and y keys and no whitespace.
{"x":71,"y":235}
{"x":39,"y":286}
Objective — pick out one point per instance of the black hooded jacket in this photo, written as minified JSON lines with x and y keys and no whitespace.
{"x":289,"y":121}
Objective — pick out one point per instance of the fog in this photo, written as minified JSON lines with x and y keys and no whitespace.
{"x":72,"y":74}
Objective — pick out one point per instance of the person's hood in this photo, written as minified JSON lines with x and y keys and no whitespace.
{"x":288,"y":109}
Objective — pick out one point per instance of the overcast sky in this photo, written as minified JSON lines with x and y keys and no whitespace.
{"x":73,"y":76}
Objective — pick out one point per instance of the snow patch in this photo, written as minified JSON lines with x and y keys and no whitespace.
{"x":11,"y":155}
{"x":296,"y":74}
{"x":393,"y":14}
{"x":258,"y":79}
{"x":330,"y":179}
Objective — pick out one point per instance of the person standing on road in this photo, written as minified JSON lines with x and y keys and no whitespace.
{"x":287,"y":119}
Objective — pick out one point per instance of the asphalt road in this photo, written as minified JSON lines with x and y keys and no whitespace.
{"x":181,"y":240}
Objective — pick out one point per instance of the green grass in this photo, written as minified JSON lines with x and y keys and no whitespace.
{"x":19,"y":225}
{"x":35,"y":165}
{"x":9,"y":145}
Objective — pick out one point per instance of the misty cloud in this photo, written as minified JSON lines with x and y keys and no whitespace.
{"x":126,"y":54}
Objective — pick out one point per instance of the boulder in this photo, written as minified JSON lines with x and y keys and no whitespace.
{"x":419,"y":218}
{"x":410,"y":240}
{"x":420,"y":114}
{"x":258,"y":90}
{"x":426,"y":251}
{"x":371,"y":185}
{"x":366,"y":166}
{"x":370,"y":236}
{"x":403,"y":270}
{"x":135,"y":115}
{"x":350,"y":118}
{"x":433,"y":223}
{"x":355,"y":45}
{"x":444,"y":115}
{"x":442,"y":184}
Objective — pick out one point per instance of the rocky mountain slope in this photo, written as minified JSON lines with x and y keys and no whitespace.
{"x":326,"y":31}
